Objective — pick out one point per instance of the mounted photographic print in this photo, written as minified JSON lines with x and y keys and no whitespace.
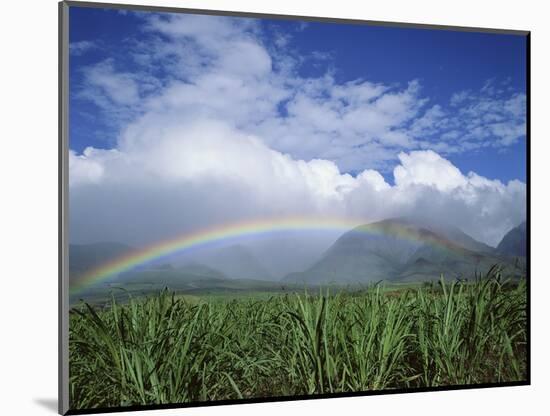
{"x":263,"y":208}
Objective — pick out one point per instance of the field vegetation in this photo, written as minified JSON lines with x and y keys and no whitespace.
{"x":170,"y":349}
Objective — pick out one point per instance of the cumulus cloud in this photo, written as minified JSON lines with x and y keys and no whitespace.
{"x":231,"y":131}
{"x":430,"y":169}
{"x":225,"y":67}
{"x":180,"y":175}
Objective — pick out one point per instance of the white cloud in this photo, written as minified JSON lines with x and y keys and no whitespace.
{"x":84,"y":168}
{"x":231,"y":133}
{"x":186,"y":169}
{"x":428,"y":168}
{"x":118,"y":87}
{"x":221,"y":68}
{"x":490,"y":118}
{"x":81,"y":47}
{"x":459,"y":97}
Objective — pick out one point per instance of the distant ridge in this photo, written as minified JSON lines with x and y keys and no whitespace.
{"x":173,"y":276}
{"x":514,"y":242}
{"x":451,"y":233}
{"x":400,"y":249}
{"x":237,"y":262}
{"x":234,"y":261}
{"x":85,"y":257}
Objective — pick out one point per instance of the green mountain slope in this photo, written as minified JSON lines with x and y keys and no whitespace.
{"x":399,"y":250}
{"x":514,"y":243}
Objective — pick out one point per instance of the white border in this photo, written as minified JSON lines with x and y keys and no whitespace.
{"x":28,"y":171}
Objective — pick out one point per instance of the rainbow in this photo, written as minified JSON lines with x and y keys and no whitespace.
{"x":205,"y":237}
{"x":239,"y":230}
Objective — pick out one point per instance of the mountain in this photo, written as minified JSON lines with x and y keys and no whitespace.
{"x":190,"y":279}
{"x":84,"y":257}
{"x":291,"y":251}
{"x":451,"y":233}
{"x":514,"y":243}
{"x":174,"y":277}
{"x":401,"y":250}
{"x":235,"y":262}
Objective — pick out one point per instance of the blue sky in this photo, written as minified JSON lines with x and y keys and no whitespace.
{"x":443,"y":62}
{"x":171,"y":111}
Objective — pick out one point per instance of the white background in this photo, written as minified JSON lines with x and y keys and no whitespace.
{"x":28,"y":211}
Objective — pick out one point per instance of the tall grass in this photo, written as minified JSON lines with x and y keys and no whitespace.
{"x":164,"y":349}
